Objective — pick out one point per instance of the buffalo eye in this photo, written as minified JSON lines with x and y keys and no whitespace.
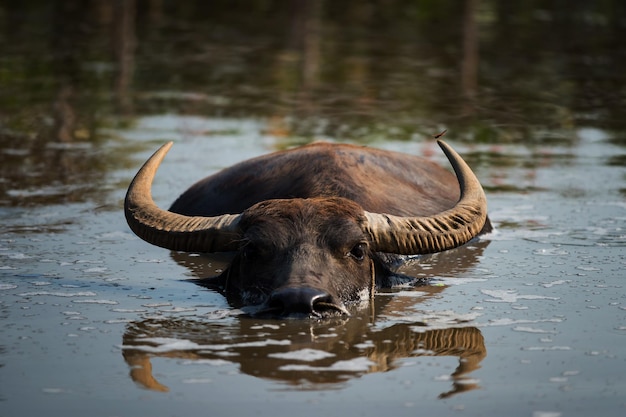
{"x":358,"y":251}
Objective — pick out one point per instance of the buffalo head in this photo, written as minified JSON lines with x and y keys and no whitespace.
{"x":306,"y":256}
{"x":302,"y":256}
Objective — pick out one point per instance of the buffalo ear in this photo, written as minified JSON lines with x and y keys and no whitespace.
{"x":385,"y":265}
{"x":215,"y":283}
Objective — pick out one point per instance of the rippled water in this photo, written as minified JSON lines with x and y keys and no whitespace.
{"x":527,"y":321}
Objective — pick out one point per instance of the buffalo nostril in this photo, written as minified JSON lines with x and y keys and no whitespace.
{"x":300,"y":301}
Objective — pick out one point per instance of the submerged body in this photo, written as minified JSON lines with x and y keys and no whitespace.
{"x":310,"y":224}
{"x":379,"y":181}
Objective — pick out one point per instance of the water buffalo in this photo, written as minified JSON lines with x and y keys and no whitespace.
{"x":314,"y":228}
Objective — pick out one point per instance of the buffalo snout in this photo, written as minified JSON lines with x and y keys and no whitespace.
{"x":301,"y":302}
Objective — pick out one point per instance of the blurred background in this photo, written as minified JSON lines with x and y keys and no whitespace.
{"x":488,"y":71}
{"x":351,"y":68}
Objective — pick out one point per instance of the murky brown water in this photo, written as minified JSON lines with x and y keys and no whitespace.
{"x":528,"y":321}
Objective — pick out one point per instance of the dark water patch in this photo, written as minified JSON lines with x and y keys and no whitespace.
{"x":617,"y":160}
{"x":35,"y":229}
{"x":510,"y":188}
{"x":617,"y":140}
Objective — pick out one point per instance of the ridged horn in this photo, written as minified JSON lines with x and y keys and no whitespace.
{"x":430,"y":234}
{"x":171,"y":230}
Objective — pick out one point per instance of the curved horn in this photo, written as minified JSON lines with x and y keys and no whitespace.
{"x":430,"y":234}
{"x":171,"y":230}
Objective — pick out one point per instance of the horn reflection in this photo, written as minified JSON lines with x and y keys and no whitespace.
{"x":302,"y":354}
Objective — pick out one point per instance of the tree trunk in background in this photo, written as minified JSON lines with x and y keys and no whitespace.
{"x":469,"y":68}
{"x":124,"y":50}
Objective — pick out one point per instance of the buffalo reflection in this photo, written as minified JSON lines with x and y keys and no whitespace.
{"x":301,"y":353}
